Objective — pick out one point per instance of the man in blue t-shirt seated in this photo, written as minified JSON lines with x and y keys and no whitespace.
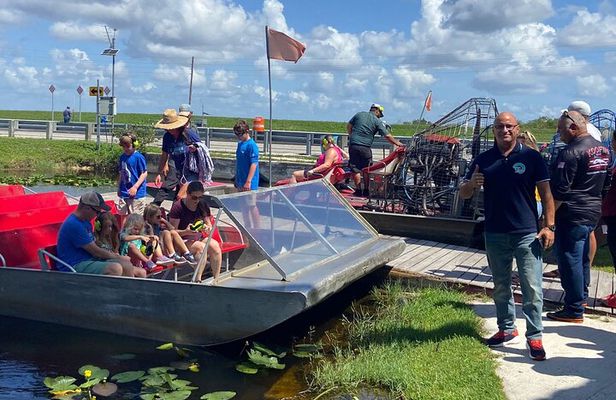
{"x":77,"y":248}
{"x":509,"y":173}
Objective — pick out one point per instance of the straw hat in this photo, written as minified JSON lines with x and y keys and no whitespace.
{"x":171,"y":120}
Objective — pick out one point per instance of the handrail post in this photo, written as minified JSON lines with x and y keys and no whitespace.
{"x":89,"y":130}
{"x":51,"y":126}
{"x":12,"y":127}
{"x":309,"y":140}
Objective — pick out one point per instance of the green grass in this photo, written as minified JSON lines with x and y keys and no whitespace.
{"x":415,"y":344}
{"x":50,"y":155}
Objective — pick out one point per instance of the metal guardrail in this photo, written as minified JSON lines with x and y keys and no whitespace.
{"x":302,"y":140}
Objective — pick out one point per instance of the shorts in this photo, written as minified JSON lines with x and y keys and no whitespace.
{"x":93,"y":266}
{"x":130,"y":205}
{"x":360,"y":157}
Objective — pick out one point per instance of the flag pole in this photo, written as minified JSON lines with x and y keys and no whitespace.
{"x":268,"y":139}
{"x":424,"y":107}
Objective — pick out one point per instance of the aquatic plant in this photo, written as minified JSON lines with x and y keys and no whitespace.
{"x":260,"y":356}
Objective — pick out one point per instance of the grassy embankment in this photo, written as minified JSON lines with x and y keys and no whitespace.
{"x":412,"y":344}
{"x":542,"y":128}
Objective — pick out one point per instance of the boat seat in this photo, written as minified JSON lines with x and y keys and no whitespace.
{"x":378,"y":175}
{"x":19,"y":247}
{"x":334,"y":174}
{"x":49,"y":260}
{"x":11,"y":190}
{"x":37,"y":216}
{"x":31,"y":201}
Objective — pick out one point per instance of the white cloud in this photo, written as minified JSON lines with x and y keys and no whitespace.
{"x":490,"y":15}
{"x":330,"y":48}
{"x":593,"y":85}
{"x":589,"y":30}
{"x":71,"y":30}
{"x":145,"y":88}
{"x":410,"y":82}
{"x":299,"y":97}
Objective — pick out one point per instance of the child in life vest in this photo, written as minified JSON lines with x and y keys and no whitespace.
{"x":142,"y":248}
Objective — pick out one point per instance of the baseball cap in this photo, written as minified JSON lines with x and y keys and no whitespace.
{"x":94,"y":200}
{"x":185,"y":110}
{"x":580,"y":106}
{"x":378,"y":107}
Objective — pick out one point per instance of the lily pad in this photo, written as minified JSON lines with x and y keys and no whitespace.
{"x":166,"y":346}
{"x":128,"y":376}
{"x":105,"y":389}
{"x":308,"y":348}
{"x":261,"y":359}
{"x":181,"y":365}
{"x":177,"y":395}
{"x":60,"y":383}
{"x":218,"y":395}
{"x":183,"y":352}
{"x":265,"y":350}
{"x":247,"y":368}
{"x":96,"y":372}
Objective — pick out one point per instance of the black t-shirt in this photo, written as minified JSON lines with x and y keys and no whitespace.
{"x":509,"y":188}
{"x":578,"y":178}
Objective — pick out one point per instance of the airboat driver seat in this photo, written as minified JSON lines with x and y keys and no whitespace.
{"x":378,"y":175}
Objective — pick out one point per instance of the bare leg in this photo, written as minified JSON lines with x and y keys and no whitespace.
{"x":592,"y":247}
{"x":178,"y":243}
{"x":215,"y":254}
{"x":167,"y":240}
{"x":135,"y":253}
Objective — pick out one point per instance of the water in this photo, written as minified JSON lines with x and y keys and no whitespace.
{"x":31,"y":351}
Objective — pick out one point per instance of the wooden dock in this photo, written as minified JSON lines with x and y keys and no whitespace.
{"x":468,"y":266}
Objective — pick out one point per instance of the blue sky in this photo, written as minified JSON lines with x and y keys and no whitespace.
{"x":533,"y":56}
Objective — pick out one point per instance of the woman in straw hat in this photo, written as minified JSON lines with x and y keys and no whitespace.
{"x":177,"y":142}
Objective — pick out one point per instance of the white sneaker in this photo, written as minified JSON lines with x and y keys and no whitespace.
{"x":164,"y":261}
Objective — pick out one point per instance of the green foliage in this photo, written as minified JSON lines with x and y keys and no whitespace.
{"x":38,"y":154}
{"x":218,"y":396}
{"x":146,"y":134}
{"x":128,"y":376}
{"x":247,"y":368}
{"x":416,"y":344}
{"x":259,"y":358}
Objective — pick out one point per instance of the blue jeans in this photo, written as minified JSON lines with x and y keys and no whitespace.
{"x":571,"y":244}
{"x":501,"y":249}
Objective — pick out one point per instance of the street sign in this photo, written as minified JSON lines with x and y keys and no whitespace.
{"x":52,"y":88}
{"x":79,"y":90}
{"x":107,"y":105}
{"x":107,"y":90}
{"x":92,"y":90}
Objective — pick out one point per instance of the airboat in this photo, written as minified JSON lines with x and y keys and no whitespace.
{"x":414,"y":192}
{"x":303,"y":245}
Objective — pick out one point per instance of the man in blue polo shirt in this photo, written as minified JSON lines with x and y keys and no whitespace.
{"x":509,"y":173}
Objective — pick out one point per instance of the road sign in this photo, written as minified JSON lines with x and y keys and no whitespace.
{"x":107,"y":105}
{"x":79,"y":90}
{"x":52,"y":88}
{"x":92,"y":90}
{"x":107,"y":90}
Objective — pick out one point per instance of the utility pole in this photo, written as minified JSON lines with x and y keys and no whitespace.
{"x":192,"y":69}
{"x":112,"y":51}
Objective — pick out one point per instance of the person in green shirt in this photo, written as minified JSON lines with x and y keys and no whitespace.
{"x":361,"y":129}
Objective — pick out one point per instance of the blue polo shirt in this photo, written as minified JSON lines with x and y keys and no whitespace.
{"x":509,"y":188}
{"x":177,"y":148}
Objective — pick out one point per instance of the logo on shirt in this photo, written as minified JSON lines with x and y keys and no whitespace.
{"x":519,"y":168}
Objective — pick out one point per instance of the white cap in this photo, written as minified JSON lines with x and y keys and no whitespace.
{"x":580,"y":106}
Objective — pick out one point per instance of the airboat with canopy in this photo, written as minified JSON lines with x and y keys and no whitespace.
{"x":304,"y":244}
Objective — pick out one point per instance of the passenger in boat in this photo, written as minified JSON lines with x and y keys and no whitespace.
{"x":185,"y":212}
{"x":331,"y":154}
{"x":141,"y":247}
{"x":133,"y":173}
{"x":77,"y":246}
{"x":508,"y":173}
{"x":106,"y":232}
{"x":579,"y":181}
{"x":173,"y":245}
{"x":361,"y":129}
{"x":177,"y":142}
{"x":247,"y":172}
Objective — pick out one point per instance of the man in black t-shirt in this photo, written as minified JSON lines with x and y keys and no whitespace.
{"x":579,"y":178}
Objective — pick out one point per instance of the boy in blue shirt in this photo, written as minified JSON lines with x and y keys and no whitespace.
{"x":247,"y":171}
{"x":131,"y":178}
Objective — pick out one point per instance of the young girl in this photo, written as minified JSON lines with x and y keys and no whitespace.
{"x":133,"y":239}
{"x":172,"y":242}
{"x":106,"y":232}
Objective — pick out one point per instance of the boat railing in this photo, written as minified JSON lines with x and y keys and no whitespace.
{"x":49,"y":260}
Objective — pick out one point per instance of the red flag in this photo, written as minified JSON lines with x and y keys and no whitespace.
{"x":283,"y":47}
{"x":428,"y":103}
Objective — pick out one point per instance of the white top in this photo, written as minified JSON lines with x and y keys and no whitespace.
{"x":594,"y":132}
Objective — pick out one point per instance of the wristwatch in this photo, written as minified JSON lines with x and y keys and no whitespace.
{"x":551,"y":227}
